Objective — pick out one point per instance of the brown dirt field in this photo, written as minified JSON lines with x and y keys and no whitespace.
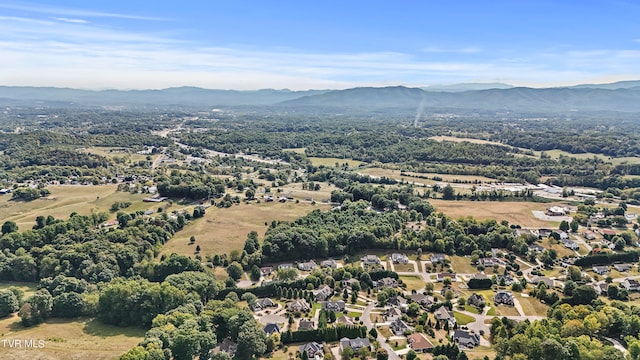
{"x":515,"y":212}
{"x":224,"y":229}
{"x":396,"y":174}
{"x":69,"y":339}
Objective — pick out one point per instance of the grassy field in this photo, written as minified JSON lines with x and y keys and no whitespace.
{"x":413,"y":282}
{"x":404,"y":267}
{"x":461,"y":139}
{"x":532,"y":306}
{"x":559,"y":248}
{"x":28,"y":288}
{"x":503,"y":310}
{"x":65,"y":199}
{"x":412,"y":176}
{"x":105,"y":151}
{"x":331,"y":162}
{"x":462,"y":265}
{"x":224,"y":229}
{"x":69,"y":339}
{"x":514,"y":212}
{"x":463,"y":319}
{"x":296,"y":150}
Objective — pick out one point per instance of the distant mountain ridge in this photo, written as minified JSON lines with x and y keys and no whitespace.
{"x":621,"y":96}
{"x":466,"y":87}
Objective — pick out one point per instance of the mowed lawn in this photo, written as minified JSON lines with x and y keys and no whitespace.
{"x":66,"y":199}
{"x":224,"y":229}
{"x":515,"y":212}
{"x":69,"y":339}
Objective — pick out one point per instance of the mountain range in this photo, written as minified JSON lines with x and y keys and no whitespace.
{"x":621,"y":96}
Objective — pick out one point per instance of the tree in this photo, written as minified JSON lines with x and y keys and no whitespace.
{"x":448,"y":193}
{"x":574,"y":226}
{"x":251,"y":340}
{"x":67,"y":305}
{"x":373,"y":333}
{"x":123,"y":219}
{"x":9,"y":227}
{"x":254,"y":273}
{"x":411,"y":355}
{"x":37,"y":308}
{"x":235,"y":271}
{"x":564,"y":225}
{"x":382,"y":354}
{"x":250,"y":194}
{"x":8,"y":303}
{"x":192,"y":240}
{"x":574,"y":273}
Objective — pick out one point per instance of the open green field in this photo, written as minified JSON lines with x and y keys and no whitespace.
{"x":630,"y":160}
{"x":106,"y":152}
{"x":66,"y":199}
{"x":296,"y":150}
{"x":69,"y":339}
{"x":224,"y":229}
{"x":515,"y":212}
{"x":331,"y":162}
{"x":463,"y":319}
{"x":413,"y":176}
{"x":27,"y":287}
{"x":413,"y":282}
{"x":532,"y":306}
{"x":462,"y":265}
{"x":461,"y":139}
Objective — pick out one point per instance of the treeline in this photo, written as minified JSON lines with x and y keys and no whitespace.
{"x":607,"y":258}
{"x":327,"y":334}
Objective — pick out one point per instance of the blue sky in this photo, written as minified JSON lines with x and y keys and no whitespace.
{"x":316,"y":44}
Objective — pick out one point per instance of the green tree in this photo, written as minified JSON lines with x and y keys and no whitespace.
{"x":564,"y":225}
{"x":37,"y":308}
{"x":252,"y":341}
{"x":67,"y":305}
{"x":574,"y":226}
{"x":411,"y":355}
{"x":448,"y":193}
{"x":8,"y":303}
{"x":9,"y":227}
{"x":235,"y":271}
{"x":255,"y":273}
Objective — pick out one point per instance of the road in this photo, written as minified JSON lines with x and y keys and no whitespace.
{"x":366,"y":319}
{"x":617,"y":345}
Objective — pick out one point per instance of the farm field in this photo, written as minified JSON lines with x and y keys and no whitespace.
{"x":224,"y":229}
{"x":331,"y":162}
{"x":413,"y":176}
{"x":69,"y":339}
{"x":106,"y":152}
{"x":66,"y":199}
{"x":515,"y":212}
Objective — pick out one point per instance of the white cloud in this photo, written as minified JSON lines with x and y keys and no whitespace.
{"x":65,"y":52}
{"x":70,"y":13}
{"x":74,"y":21}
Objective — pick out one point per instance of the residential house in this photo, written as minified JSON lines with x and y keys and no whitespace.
{"x":285,"y":266}
{"x":399,"y":327}
{"x":444,"y":314}
{"x":306,"y":324}
{"x":465,"y":338}
{"x":589,"y":235}
{"x":566,"y":262}
{"x":419,"y":343}
{"x":544,"y":233}
{"x":307,"y":266}
{"x":622,"y":267}
{"x":392,"y":314}
{"x":443,"y":275}
{"x":271,"y":328}
{"x":313,"y":349}
{"x":262,"y":303}
{"x":631,"y":285}
{"x":570,"y":244}
{"x":563,"y":235}
{"x":227,"y":345}
{"x":600,"y":270}
{"x":335,"y":306}
{"x":503,"y":297}
{"x":535,"y":248}
{"x":476,"y":300}
{"x":601,"y":288}
{"x":386,"y":283}
{"x":370,"y":260}
{"x":349,"y":282}
{"x":436,"y":258}
{"x":323,"y":293}
{"x":422,"y":299}
{"x":556,"y":211}
{"x":446,"y":288}
{"x":536,"y":279}
{"x":397,"y":301}
{"x":398,"y":258}
{"x":329,"y":264}
{"x":299,"y":305}
{"x":354,"y":344}
{"x":266,"y":270}
{"x":504,"y":279}
{"x":607,"y":232}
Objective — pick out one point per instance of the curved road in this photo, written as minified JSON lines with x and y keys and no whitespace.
{"x":366,"y":319}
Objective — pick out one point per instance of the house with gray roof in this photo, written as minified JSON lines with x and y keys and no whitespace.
{"x":354,"y":344}
{"x":313,"y":349}
{"x":465,"y":338}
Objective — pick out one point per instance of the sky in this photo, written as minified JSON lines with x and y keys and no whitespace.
{"x":244,"y":45}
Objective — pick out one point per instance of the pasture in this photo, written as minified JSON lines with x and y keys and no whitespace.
{"x":331,"y":162}
{"x":69,"y":339}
